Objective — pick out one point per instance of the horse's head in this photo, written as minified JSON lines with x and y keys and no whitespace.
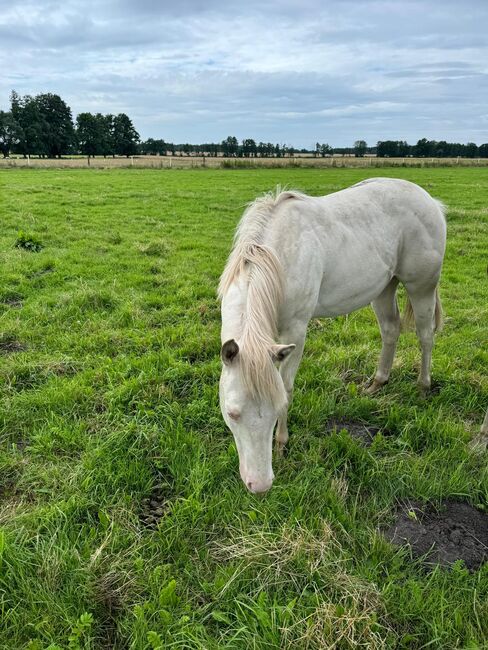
{"x":252,"y":417}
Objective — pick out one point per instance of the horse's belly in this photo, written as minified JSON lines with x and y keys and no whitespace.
{"x":343,"y":293}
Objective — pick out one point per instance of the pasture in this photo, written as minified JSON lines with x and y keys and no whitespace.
{"x":123,"y":520}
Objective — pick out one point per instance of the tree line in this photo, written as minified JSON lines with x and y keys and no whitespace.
{"x":248,"y":148}
{"x":230,"y":148}
{"x":43,"y":125}
{"x":430,"y":149}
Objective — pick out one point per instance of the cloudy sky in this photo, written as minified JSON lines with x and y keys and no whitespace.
{"x":293,"y":72}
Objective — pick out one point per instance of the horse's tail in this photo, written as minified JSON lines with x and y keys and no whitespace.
{"x":408,"y":320}
{"x":439,"y":314}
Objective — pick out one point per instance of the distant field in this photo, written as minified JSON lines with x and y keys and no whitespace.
{"x":185,"y":162}
{"x":123,"y":520}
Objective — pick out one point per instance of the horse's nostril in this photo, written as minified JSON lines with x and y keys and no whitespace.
{"x":258,"y":487}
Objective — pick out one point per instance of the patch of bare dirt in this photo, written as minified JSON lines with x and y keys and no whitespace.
{"x":12,"y":300}
{"x":8,"y":345}
{"x":363,"y":433}
{"x":457,"y":531}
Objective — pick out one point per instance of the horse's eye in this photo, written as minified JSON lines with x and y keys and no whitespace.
{"x":234,"y":415}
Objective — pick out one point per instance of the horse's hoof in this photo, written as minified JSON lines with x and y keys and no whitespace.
{"x":479,"y":443}
{"x":424,"y":391}
{"x":373,"y":387}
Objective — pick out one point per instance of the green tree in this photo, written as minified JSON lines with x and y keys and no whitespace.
{"x":230,"y":146}
{"x":392,"y":148}
{"x":326,"y":150}
{"x":471,"y":150}
{"x":153,"y":147}
{"x":57,"y":122}
{"x":10,"y":133}
{"x":106,"y":134}
{"x":125,"y":136}
{"x":423,"y":148}
{"x":26,"y":113}
{"x":46,"y":124}
{"x":360,"y":147}
{"x":88,"y":134}
{"x":249,"y":148}
{"x":483,"y":150}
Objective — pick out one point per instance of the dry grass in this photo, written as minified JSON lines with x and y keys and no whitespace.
{"x":274,"y":553}
{"x":352,"y":616}
{"x":352,"y":622}
{"x":187,"y":162}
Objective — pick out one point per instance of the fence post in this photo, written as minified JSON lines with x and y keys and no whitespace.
{"x":171,"y":162}
{"x":28,"y":160}
{"x":132,"y":161}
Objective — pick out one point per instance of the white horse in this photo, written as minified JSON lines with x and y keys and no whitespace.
{"x":296,"y":257}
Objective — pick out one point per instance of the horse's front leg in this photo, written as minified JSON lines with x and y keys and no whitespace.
{"x":282,"y":435}
{"x":288,"y":370}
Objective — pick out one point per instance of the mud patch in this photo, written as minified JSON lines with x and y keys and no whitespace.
{"x":361,"y":432}
{"x":9,"y":344}
{"x":456,"y":532}
{"x":155,"y":506}
{"x":12,"y":299}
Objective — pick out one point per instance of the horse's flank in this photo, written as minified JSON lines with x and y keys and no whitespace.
{"x":259,"y":265}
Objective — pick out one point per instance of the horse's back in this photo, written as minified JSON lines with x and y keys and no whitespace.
{"x":348,"y":245}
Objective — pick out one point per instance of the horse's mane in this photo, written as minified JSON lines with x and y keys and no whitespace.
{"x":252,"y":258}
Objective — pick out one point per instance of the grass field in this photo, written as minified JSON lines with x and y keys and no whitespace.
{"x":123,"y":520}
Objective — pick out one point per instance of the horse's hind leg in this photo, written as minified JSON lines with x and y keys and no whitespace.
{"x":386,"y":309}
{"x":424,"y":305}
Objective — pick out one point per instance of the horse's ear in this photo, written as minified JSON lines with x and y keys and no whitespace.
{"x":280,"y":352}
{"x":229,"y":351}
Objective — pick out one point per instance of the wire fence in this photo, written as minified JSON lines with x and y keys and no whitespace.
{"x":188,"y":162}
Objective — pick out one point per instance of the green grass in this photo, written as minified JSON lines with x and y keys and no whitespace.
{"x":109,"y":369}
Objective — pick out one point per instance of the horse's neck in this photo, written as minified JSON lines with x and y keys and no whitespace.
{"x":234,"y":311}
